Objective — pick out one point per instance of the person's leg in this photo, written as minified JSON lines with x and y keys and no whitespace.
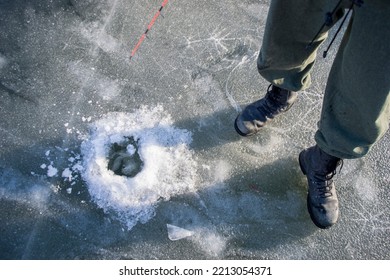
{"x":356,"y":107}
{"x":285,"y":59}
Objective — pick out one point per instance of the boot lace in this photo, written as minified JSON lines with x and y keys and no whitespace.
{"x":325,"y":183}
{"x":272,"y":105}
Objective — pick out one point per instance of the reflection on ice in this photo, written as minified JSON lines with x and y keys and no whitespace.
{"x":3,"y":61}
{"x":14,"y":186}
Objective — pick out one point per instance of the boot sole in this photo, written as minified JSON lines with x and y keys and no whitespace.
{"x":237,"y":130}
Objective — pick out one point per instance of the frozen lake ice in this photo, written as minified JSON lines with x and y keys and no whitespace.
{"x":68,"y":94}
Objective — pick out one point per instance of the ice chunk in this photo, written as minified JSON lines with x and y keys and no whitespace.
{"x":67,"y":173}
{"x":131,"y":149}
{"x":51,"y":171}
{"x":176,"y":233}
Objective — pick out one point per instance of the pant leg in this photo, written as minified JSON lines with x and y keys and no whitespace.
{"x":356,"y":109}
{"x":284,"y":59}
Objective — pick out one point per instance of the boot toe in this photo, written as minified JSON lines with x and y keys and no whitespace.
{"x":249,"y":121}
{"x":240,"y":126}
{"x":323,"y":215}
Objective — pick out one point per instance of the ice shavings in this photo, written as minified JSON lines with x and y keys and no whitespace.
{"x":169,"y":167}
{"x":53,"y":168}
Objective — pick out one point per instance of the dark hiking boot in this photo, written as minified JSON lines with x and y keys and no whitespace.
{"x":256,"y":114}
{"x":322,"y":202}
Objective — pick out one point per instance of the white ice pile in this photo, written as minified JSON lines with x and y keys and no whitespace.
{"x":169,"y":167}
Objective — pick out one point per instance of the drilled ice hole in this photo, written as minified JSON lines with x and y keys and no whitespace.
{"x":124,"y":159}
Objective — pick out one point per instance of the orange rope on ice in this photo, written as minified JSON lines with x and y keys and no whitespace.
{"x":157,"y":14}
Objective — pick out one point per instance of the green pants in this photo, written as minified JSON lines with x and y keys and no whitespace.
{"x":356,"y":106}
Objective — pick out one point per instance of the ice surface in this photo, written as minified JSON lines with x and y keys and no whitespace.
{"x":68,"y":92}
{"x":3,"y":61}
